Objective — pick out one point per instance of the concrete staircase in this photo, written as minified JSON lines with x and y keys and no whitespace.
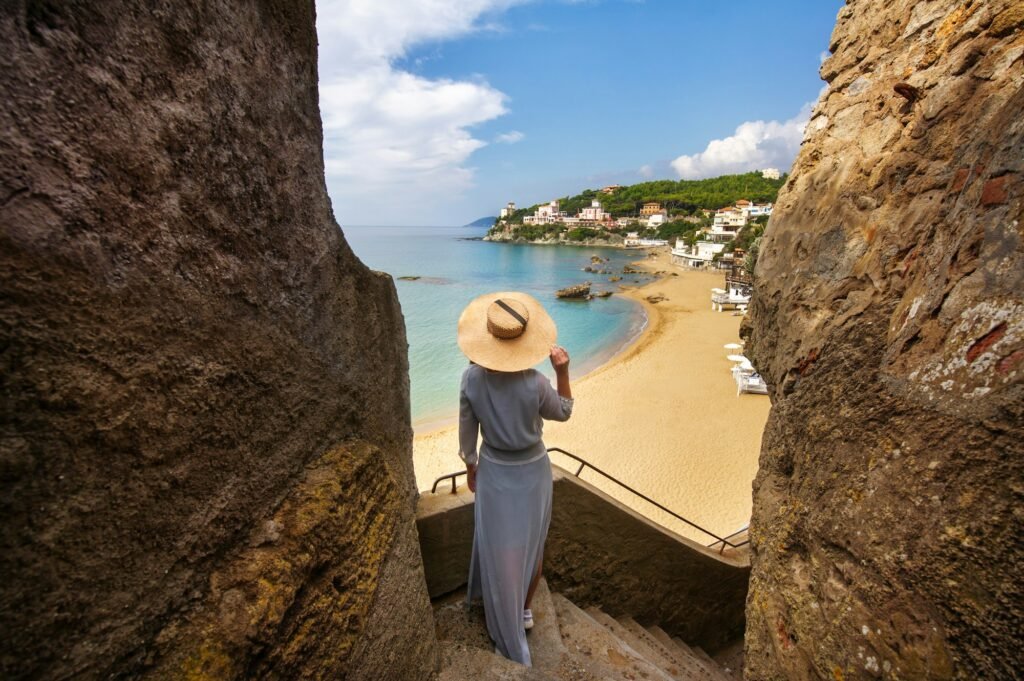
{"x":568,"y":643}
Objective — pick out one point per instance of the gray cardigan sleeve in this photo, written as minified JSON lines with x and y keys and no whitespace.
{"x":553,"y":406}
{"x":469,"y":426}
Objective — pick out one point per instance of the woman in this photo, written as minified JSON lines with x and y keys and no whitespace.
{"x":504,"y":400}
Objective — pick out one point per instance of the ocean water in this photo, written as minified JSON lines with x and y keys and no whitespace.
{"x":454,"y":269}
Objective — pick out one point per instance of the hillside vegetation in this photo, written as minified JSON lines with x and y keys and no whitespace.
{"x":683,"y":197}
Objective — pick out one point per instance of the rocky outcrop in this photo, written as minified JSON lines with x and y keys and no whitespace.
{"x":888,"y":319}
{"x":194,"y":481}
{"x":575,"y":292}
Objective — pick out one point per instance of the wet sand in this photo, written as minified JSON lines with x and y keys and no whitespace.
{"x":662,"y":416}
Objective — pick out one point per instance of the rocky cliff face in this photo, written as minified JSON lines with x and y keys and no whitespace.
{"x":888,"y":318}
{"x":205,"y":445}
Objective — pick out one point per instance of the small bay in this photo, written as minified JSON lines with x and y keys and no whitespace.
{"x":446,"y":268}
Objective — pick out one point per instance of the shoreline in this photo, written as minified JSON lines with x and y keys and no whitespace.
{"x":586,"y":244}
{"x":433,"y":425}
{"x":662,"y":415}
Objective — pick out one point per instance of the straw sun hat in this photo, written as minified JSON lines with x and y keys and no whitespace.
{"x":506,"y":331}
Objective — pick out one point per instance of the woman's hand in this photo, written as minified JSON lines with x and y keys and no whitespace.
{"x":560,"y":363}
{"x":559,"y":358}
{"x":471,"y":477}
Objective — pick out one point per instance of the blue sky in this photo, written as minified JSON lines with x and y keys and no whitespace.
{"x":439,"y":111}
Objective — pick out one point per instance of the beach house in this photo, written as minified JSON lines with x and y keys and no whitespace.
{"x":699,"y":256}
{"x":738,"y":285}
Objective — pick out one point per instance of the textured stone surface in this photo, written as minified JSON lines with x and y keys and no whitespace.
{"x":888,"y":318}
{"x":205,"y":447}
{"x":601,"y":553}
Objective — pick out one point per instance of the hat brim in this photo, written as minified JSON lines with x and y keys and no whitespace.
{"x":512,"y":354}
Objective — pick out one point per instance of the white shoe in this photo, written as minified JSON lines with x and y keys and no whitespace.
{"x":527,"y":619}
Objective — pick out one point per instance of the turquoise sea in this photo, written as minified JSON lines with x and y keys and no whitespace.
{"x":454,"y":269}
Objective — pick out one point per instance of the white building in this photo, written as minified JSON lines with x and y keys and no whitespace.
{"x":771,"y":173}
{"x":633,"y":240}
{"x":595,"y":213}
{"x":757,"y":209}
{"x":700,"y":256}
{"x":656,"y":220}
{"x":549,"y":211}
{"x":545,"y":214}
{"x":730,"y":219}
{"x":508,"y":210}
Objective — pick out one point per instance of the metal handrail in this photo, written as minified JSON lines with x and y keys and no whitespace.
{"x":584,"y":464}
{"x":745,"y":528}
{"x":453,"y":476}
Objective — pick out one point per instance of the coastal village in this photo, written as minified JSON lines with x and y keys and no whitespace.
{"x":710,"y":245}
{"x":713,"y":229}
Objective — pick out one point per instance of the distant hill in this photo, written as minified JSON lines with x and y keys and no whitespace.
{"x":678,"y":197}
{"x":482,"y":222}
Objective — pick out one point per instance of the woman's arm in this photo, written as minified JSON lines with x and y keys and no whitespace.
{"x":469,"y":431}
{"x":560,"y":363}
{"x":556,"y":406}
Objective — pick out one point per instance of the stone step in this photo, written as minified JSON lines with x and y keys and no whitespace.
{"x":461,"y":662}
{"x":598,"y":651}
{"x":730,"y":659}
{"x":704,"y":656}
{"x":675,"y":670}
{"x":716,"y":672}
{"x":545,"y":639}
{"x":684,"y":653}
{"x":694,"y":667}
{"x":455,"y":623}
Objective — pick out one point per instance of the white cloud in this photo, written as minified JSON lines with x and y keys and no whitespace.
{"x":825,"y":54}
{"x":646,"y":172}
{"x":754,"y":145}
{"x":510,"y":137}
{"x":390,"y":133}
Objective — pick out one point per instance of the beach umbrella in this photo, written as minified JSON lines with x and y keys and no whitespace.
{"x":737,"y":358}
{"x":732,"y":346}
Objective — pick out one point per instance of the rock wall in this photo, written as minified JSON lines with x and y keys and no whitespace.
{"x":205,"y":448}
{"x":888,"y":318}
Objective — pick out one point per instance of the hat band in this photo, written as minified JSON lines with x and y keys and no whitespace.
{"x":507,"y":308}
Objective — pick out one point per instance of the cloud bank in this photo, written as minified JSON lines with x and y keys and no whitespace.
{"x":754,"y":145}
{"x":390,"y":134}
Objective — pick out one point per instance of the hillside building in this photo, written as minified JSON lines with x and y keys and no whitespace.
{"x":650,"y":208}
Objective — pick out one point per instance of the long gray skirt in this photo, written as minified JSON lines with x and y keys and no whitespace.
{"x":512,"y":515}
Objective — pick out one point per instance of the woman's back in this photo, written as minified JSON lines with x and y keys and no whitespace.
{"x":509,"y":407}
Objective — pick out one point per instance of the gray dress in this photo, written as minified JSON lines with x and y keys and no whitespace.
{"x":513,"y":491}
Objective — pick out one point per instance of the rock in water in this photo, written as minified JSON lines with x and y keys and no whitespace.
{"x":577,"y":291}
{"x":206,"y":443}
{"x":888,"y":319}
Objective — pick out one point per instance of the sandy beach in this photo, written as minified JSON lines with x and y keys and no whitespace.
{"x":662,"y":416}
